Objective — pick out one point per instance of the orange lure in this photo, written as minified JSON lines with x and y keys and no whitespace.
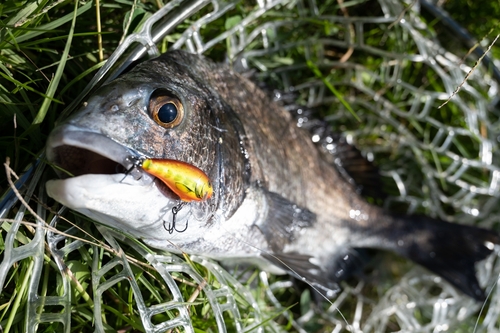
{"x":185,"y":180}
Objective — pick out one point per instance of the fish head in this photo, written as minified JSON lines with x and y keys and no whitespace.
{"x":165,"y":108}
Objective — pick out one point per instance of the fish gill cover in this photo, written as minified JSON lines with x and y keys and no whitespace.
{"x":380,"y":59}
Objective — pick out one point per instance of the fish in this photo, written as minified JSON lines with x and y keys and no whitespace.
{"x":277,"y":199}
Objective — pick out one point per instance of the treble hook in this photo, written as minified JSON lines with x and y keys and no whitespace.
{"x":172,"y":227}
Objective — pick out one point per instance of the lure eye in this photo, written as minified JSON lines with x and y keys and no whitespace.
{"x":166,"y":110}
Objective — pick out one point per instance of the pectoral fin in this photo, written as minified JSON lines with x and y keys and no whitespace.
{"x":283,"y":220}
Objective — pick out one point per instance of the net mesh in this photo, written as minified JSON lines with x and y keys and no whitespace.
{"x":386,"y":63}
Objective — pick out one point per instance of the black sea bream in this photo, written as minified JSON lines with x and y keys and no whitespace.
{"x":277,"y":201}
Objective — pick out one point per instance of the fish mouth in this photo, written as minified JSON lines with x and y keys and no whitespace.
{"x":101,"y":180}
{"x":76,"y":152}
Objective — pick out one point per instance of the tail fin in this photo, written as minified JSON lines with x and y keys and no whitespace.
{"x":448,"y":249}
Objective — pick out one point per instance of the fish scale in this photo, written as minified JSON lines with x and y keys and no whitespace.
{"x":278,"y":201}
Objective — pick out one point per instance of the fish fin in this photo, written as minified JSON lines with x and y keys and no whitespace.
{"x":349,"y":263}
{"x":362,"y":174}
{"x":284,"y":219}
{"x":303,"y":268}
{"x":449,"y":250}
{"x":325,"y":280}
{"x":355,"y":168}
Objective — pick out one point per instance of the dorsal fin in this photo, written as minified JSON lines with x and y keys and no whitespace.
{"x":346,"y":158}
{"x":362,"y":174}
{"x":355,"y":168}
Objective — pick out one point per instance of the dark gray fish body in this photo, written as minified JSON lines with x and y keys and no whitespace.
{"x":277,"y":201}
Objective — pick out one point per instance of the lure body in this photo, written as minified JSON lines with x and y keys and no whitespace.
{"x":185,"y":180}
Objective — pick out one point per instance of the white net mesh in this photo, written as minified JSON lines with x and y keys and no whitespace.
{"x":388,"y":66}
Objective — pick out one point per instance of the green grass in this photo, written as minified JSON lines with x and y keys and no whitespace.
{"x":50,"y":50}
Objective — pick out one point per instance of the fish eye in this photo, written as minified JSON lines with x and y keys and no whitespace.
{"x":166,"y":109}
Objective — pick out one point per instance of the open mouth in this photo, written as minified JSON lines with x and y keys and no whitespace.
{"x":75,"y":161}
{"x":76,"y":152}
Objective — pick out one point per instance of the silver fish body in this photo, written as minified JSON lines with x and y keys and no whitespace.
{"x":277,"y":201}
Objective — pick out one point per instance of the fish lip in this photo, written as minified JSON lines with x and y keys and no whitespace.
{"x":71,"y":135}
{"x":76,"y":137}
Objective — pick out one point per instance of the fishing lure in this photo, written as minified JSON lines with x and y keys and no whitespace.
{"x":185,"y":180}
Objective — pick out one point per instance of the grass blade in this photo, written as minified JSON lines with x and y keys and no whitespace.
{"x":59,"y":72}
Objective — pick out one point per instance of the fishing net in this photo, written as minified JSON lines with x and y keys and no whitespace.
{"x":378,"y":57}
